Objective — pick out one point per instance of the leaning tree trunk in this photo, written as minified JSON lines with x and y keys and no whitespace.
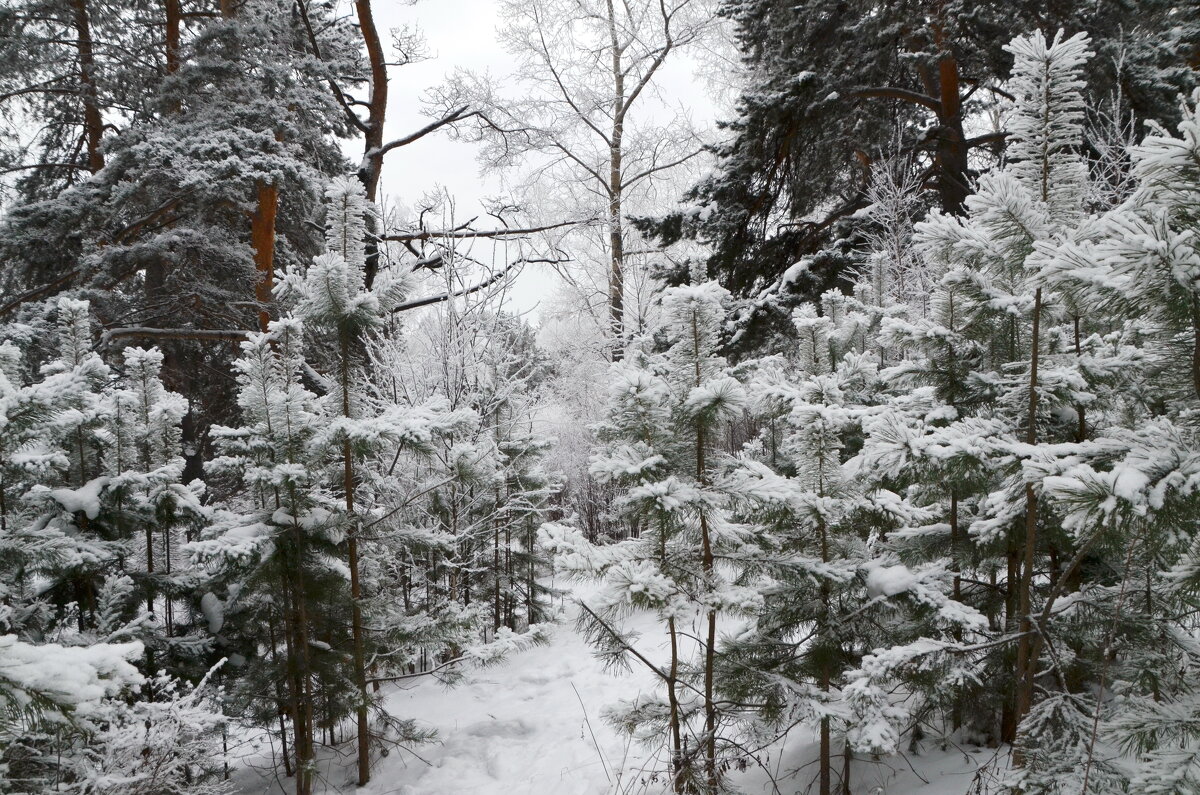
{"x":372,"y":163}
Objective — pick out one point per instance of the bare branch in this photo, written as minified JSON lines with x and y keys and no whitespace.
{"x":146,"y":332}
{"x":902,"y":94}
{"x":990,"y":138}
{"x":655,"y":169}
{"x":466,"y":234}
{"x":562,"y":89}
{"x":51,"y":288}
{"x":488,"y":282}
{"x":458,"y":114}
{"x":31,"y":166}
{"x":338,"y":94}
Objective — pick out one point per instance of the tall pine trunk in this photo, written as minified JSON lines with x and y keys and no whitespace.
{"x":707,"y":563}
{"x":262,"y":240}
{"x":1026,"y":658}
{"x":93,"y":122}
{"x":299,"y":664}
{"x":826,"y":760}
{"x":356,"y":622}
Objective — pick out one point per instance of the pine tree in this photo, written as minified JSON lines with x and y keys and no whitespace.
{"x":834,"y":88}
{"x":273,"y":560}
{"x":91,"y":481}
{"x":211,"y":172}
{"x":1070,"y":556}
{"x":1118,"y":494}
{"x":687,"y":559}
{"x":315,"y":473}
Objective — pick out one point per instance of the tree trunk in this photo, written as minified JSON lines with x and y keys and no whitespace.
{"x":951,"y":152}
{"x":93,"y":123}
{"x":707,"y":563}
{"x":1026,"y":659}
{"x":496,"y":617}
{"x":530,"y":605}
{"x":616,"y":238}
{"x":299,"y":667}
{"x":954,"y":545}
{"x":826,"y":773}
{"x":1081,"y":428}
{"x":356,"y":628}
{"x":279,"y":700}
{"x":262,"y":224}
{"x":173,"y":29}
{"x":1196,"y":344}
{"x":262,"y":240}
{"x":372,"y":163}
{"x":1008,"y":726}
{"x":678,"y":780}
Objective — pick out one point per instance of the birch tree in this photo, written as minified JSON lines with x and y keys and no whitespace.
{"x":595,"y":131}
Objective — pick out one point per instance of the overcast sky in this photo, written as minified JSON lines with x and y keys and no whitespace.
{"x":462,"y":33}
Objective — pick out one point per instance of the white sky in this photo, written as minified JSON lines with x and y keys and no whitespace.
{"x":462,"y":33}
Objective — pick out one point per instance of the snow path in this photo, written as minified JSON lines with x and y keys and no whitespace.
{"x":533,"y":725}
{"x":528,"y":726}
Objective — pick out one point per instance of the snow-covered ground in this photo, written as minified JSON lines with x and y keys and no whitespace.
{"x":532,"y":725}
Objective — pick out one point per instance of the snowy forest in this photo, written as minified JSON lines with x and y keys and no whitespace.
{"x":599,"y":397}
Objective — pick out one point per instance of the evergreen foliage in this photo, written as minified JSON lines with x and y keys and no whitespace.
{"x":832,"y":89}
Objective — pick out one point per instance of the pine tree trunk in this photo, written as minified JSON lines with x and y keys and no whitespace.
{"x":1081,"y":429}
{"x":826,"y":773}
{"x":168,"y":608}
{"x":299,"y":667}
{"x":707,"y":563}
{"x":279,"y":699}
{"x":530,"y":602}
{"x":847,"y":758}
{"x":1196,"y":344}
{"x":951,"y":153}
{"x":262,"y":240}
{"x":678,"y":780}
{"x":952,"y":150}
{"x":509,"y":618}
{"x":356,"y":623}
{"x":496,"y":570}
{"x":173,"y":31}
{"x":1026,"y":657}
{"x":93,"y":123}
{"x":174,"y":26}
{"x":710,"y":649}
{"x":955,"y":542}
{"x":1008,"y":725}
{"x":262,"y":224}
